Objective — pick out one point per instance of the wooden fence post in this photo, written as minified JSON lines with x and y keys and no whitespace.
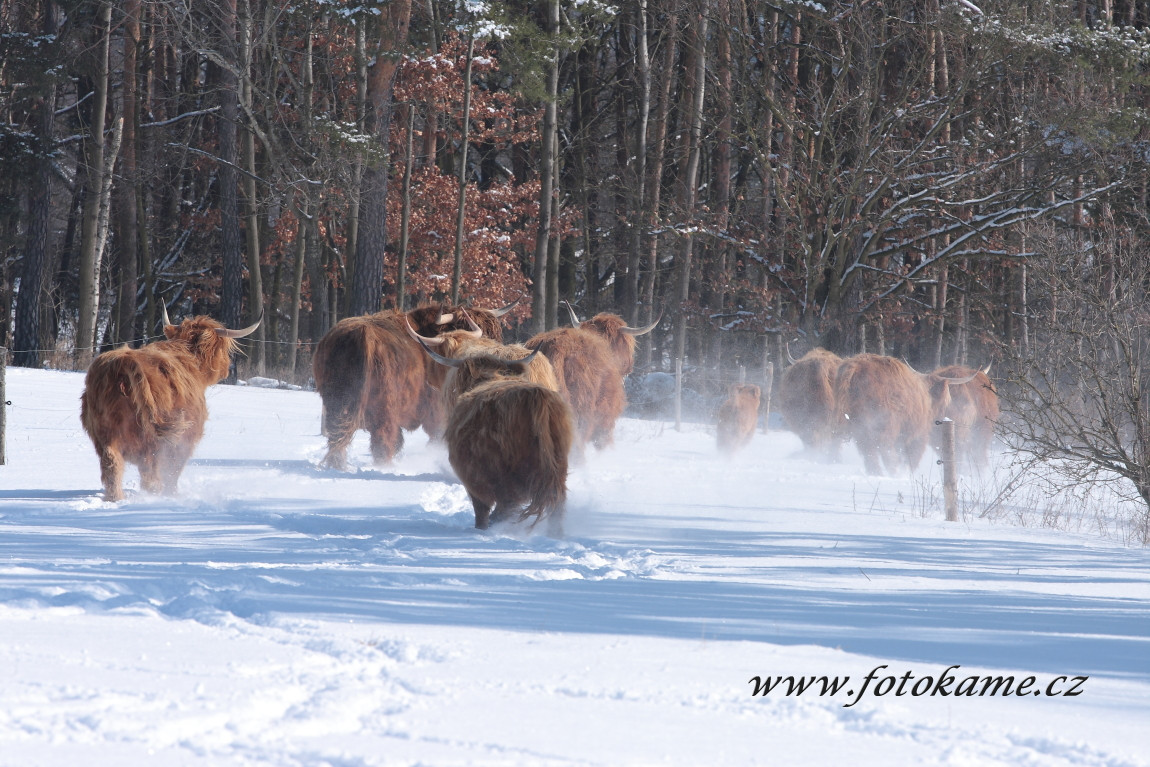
{"x":679,"y":394}
{"x":949,"y":470}
{"x":768,"y":384}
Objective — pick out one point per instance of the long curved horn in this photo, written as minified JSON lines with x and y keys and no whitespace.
{"x":476,"y":331}
{"x":986,"y":370}
{"x":523,"y":361}
{"x":642,"y":330}
{"x":787,"y":348}
{"x":448,"y":361}
{"x":957,"y":381}
{"x":504,"y":310}
{"x":446,"y":318}
{"x":164,"y":313}
{"x":423,"y":341}
{"x":228,"y":333}
{"x":574,"y":319}
{"x":906,"y":362}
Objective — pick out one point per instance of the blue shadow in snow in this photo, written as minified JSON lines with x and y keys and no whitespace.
{"x":923,"y":600}
{"x":311,"y":470}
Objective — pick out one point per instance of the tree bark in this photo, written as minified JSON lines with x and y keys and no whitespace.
{"x":94,"y":159}
{"x":127,"y":229}
{"x":539,"y":295}
{"x":461,"y":213}
{"x":26,"y":336}
{"x":367,"y":281}
{"x":255,"y":275}
{"x":231,"y":289}
{"x":639,"y":193}
{"x":697,"y":88}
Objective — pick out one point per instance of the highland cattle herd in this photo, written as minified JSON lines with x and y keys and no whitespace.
{"x":512,"y":416}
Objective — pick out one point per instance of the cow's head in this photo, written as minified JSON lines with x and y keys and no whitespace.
{"x":620,"y":336}
{"x":208,"y":340}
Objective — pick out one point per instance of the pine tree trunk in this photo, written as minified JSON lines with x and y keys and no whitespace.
{"x":26,"y":333}
{"x":127,"y":229}
{"x":231,"y":289}
{"x":461,"y":212}
{"x":639,"y":193}
{"x":366,"y":290}
{"x":539,"y":296}
{"x":255,"y":275}
{"x":696,"y":87}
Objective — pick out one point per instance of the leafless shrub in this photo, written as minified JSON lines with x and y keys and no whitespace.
{"x":1075,"y":400}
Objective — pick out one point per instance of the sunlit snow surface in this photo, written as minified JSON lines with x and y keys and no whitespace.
{"x":276,"y":613}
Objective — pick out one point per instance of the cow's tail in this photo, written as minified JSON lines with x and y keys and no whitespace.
{"x":554,"y":427}
{"x":341,"y":378}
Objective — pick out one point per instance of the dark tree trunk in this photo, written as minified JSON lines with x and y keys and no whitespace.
{"x":26,"y":339}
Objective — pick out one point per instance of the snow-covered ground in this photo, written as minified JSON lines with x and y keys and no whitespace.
{"x":279,"y":614}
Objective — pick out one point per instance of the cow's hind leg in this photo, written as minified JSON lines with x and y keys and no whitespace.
{"x":555,"y":521}
{"x":171,"y":464}
{"x":870,"y":456}
{"x":482,"y":513}
{"x":151,"y":480}
{"x":386,"y":441}
{"x":112,"y":473}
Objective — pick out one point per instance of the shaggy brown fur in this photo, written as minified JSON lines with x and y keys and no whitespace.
{"x":974,"y":409}
{"x":508,"y":441}
{"x":491,"y":325}
{"x":738,"y":416}
{"x":589,"y":380}
{"x":888,"y":409}
{"x":807,"y":402}
{"x":371,"y":375}
{"x":484,"y":362}
{"x":146,"y":406}
{"x":622,"y":344}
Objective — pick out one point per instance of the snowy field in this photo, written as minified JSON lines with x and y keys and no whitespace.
{"x":279,"y":614}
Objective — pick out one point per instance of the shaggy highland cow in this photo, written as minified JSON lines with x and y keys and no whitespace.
{"x":807,"y":402}
{"x":508,"y":437}
{"x":590,"y":362}
{"x":146,"y":406}
{"x":889,"y":408}
{"x":974,"y":409}
{"x":371,"y":375}
{"x":738,"y":416}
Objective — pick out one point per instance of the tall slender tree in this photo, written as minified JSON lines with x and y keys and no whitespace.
{"x":366,"y":288}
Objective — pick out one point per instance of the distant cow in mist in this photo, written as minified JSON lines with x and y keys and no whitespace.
{"x":974,"y":409}
{"x":889,"y":409}
{"x":146,"y":406}
{"x":738,"y":416}
{"x":370,"y":375}
{"x":508,"y":437}
{"x":807,"y":401}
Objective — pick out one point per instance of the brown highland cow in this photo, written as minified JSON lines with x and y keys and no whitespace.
{"x":146,"y":406}
{"x":889,"y":408}
{"x":371,"y":375}
{"x":738,"y":416}
{"x":974,"y":409}
{"x":807,"y":402}
{"x":508,"y":437}
{"x":590,"y":362}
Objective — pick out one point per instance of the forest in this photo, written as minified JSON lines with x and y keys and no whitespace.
{"x":942,"y":180}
